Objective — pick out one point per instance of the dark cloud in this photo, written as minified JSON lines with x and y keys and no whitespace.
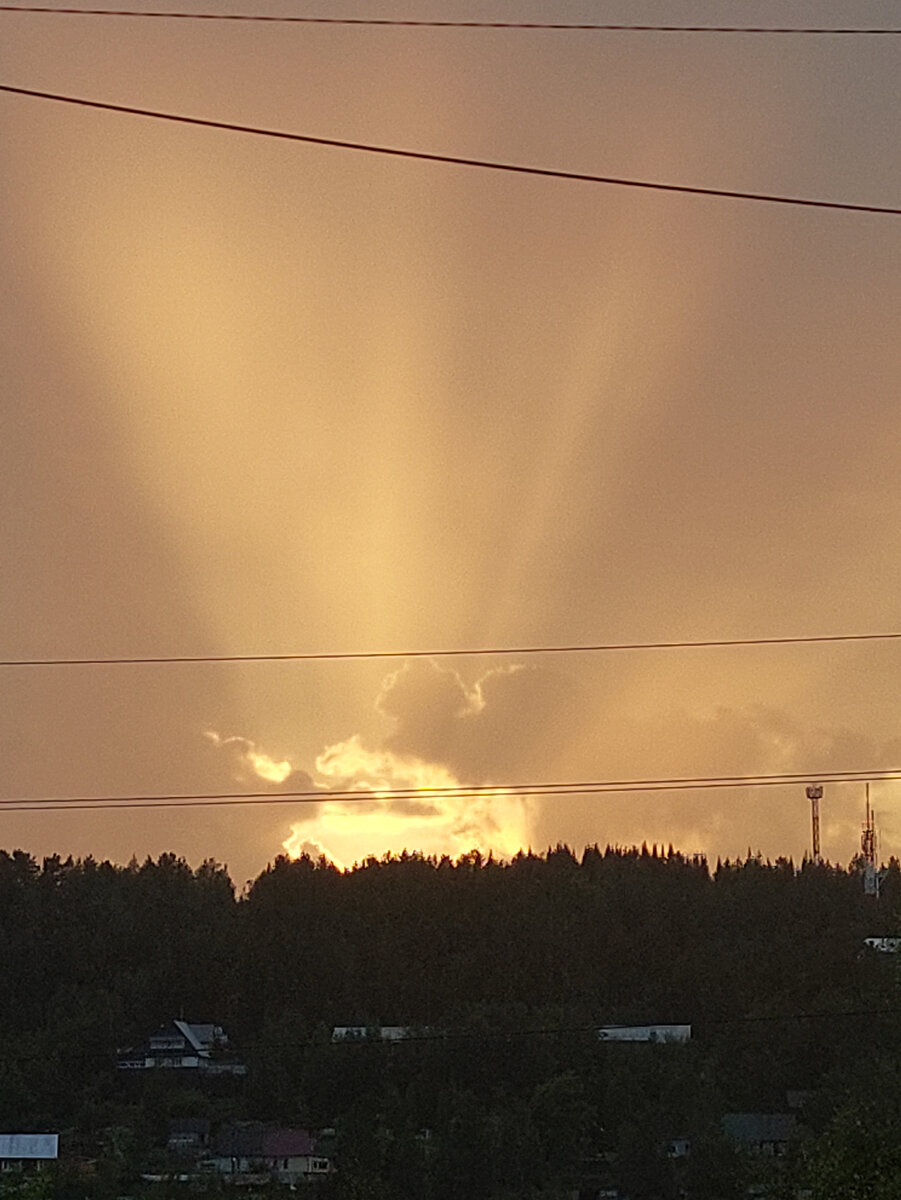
{"x":504,"y":726}
{"x":669,"y":417}
{"x":540,"y":724}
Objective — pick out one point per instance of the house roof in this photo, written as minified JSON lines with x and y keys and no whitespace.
{"x":385,"y":1033}
{"x":189,"y":1125}
{"x":644,"y":1033}
{"x":29,"y":1145}
{"x":201,"y":1037}
{"x":244,"y":1140}
{"x":287,"y":1143}
{"x":253,"y":1140}
{"x":752,"y":1128}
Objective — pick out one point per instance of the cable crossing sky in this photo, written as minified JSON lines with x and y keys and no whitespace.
{"x":457,"y":160}
{"x":414,"y":23}
{"x":461,"y":791}
{"x":468,"y":652}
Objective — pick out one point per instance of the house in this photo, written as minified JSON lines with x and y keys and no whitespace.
{"x":292,"y":1156}
{"x":27,"y":1151}
{"x":375,"y":1033}
{"x":644,"y":1033}
{"x":188,"y":1136}
{"x":765,"y":1134}
{"x":253,"y":1153}
{"x":884,"y":945}
{"x":184,"y":1045}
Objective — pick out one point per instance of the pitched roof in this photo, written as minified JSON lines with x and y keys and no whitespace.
{"x":287,"y":1143}
{"x":251,"y":1139}
{"x":244,"y":1140}
{"x":29,"y":1145}
{"x":201,"y":1037}
{"x":188,"y":1125}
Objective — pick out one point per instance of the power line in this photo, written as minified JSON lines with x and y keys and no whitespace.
{"x":104,"y":1058}
{"x":391,"y":22}
{"x":457,"y":160}
{"x":590,"y":1031}
{"x":484,"y":651}
{"x":461,"y":791}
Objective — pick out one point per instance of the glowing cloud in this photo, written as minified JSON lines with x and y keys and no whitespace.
{"x":433,"y":820}
{"x":377,"y":770}
{"x":269,"y":769}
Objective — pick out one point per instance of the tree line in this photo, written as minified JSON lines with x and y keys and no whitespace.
{"x":503,"y":969}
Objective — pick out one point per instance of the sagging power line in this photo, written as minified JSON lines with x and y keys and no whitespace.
{"x":415,"y":23}
{"x":457,"y":160}
{"x":466,"y":652}
{"x":494,"y":791}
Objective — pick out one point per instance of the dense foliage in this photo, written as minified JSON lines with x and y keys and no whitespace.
{"x":504,"y":969}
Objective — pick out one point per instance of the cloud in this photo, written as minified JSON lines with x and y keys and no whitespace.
{"x":249,"y":760}
{"x":508,"y":725}
{"x":297,"y":847}
{"x":537,"y":723}
{"x":351,"y":765}
{"x":434,"y":819}
{"x":750,"y":739}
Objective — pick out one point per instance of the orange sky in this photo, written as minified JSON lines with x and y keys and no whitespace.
{"x":262,"y":397}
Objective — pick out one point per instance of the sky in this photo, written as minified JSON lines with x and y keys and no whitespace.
{"x":260,"y":397}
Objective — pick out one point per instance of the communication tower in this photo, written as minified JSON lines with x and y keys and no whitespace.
{"x":868,"y":850}
{"x":815,"y":795}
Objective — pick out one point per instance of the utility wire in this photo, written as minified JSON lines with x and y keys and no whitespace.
{"x":485,"y":651}
{"x":462,"y":791}
{"x":456,"y":160}
{"x":390,"y":22}
{"x":591,"y":1031}
{"x":240,"y":1051}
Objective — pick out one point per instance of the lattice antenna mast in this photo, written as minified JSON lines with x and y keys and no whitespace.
{"x":815,"y":795}
{"x":868,"y":850}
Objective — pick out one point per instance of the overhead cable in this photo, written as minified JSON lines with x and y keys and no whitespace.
{"x":446,"y":1036}
{"x":456,"y":160}
{"x":469,"y":652}
{"x":417,"y":23}
{"x":494,"y":791}
{"x":589,"y":1031}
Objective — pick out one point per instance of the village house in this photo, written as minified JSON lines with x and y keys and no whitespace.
{"x":644,"y":1033}
{"x":374,"y":1033}
{"x":188,"y":1136}
{"x":184,"y":1045}
{"x":251,"y":1153}
{"x":27,"y":1151}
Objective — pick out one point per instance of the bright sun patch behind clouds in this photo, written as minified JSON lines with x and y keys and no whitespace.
{"x":435,"y":822}
{"x":433,"y":819}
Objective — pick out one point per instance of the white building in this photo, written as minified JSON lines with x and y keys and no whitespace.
{"x":185,"y":1045}
{"x":644,"y":1033}
{"x":885,"y":945}
{"x":21,"y":1150}
{"x":375,"y":1033}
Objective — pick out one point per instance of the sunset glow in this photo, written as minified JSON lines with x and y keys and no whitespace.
{"x":273,"y":398}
